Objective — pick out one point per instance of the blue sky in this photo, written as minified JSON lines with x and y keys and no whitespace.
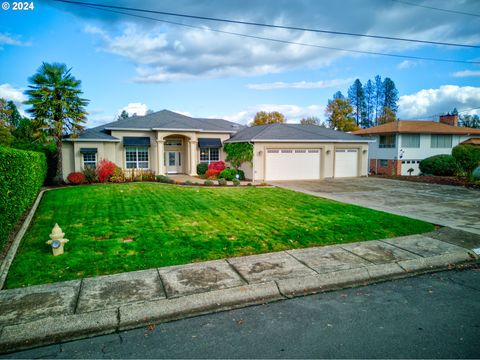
{"x":137,"y":64}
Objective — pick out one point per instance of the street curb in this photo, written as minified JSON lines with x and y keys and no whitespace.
{"x":7,"y":262}
{"x":209,"y":302}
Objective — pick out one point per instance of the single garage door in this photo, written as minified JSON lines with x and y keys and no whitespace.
{"x":292,"y":164}
{"x":346,"y":163}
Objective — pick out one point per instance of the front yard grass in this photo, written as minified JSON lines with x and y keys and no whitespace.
{"x":126,"y":227}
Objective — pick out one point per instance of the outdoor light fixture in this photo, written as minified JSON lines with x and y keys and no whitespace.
{"x":364,"y":151}
{"x":328,"y":152}
{"x":260,"y":153}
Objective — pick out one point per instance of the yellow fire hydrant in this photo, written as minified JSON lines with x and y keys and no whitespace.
{"x":57,"y":241}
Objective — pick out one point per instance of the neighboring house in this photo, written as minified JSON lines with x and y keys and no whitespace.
{"x":169,"y":143}
{"x":401,"y":145}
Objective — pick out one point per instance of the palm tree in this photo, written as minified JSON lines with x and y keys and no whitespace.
{"x":57,"y":107}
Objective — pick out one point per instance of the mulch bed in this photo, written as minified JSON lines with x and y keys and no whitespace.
{"x":442,"y":180}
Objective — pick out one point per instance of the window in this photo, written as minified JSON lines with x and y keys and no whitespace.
{"x":410,"y":140}
{"x":136,"y":157}
{"x":90,"y":160}
{"x":173,"y":142}
{"x":208,"y":155}
{"x":383,"y":163}
{"x":441,"y":141}
{"x":387,"y":141}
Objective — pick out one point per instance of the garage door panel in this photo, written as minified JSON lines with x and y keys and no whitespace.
{"x":292,"y":164}
{"x":346,"y":163}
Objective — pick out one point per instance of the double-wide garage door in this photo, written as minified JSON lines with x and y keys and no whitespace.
{"x":292,"y":164}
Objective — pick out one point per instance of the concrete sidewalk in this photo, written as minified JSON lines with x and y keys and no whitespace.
{"x":46,"y":314}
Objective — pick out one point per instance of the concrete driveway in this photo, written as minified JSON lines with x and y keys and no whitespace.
{"x":452,"y":206}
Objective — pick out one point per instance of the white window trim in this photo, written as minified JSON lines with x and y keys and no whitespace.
{"x":136,"y":162}
{"x":173,"y":139}
{"x":89,"y":162}
{"x":209,"y":161}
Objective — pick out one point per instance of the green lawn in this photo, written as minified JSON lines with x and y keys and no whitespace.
{"x":125,"y":227}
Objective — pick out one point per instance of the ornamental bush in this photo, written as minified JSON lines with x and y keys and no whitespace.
{"x":230,"y":174}
{"x":76,"y":178}
{"x":467,"y":156}
{"x":439,"y":165}
{"x":118,"y":175}
{"x":105,"y":170}
{"x":165,"y":179}
{"x":208,"y":183}
{"x":214,"y":169}
{"x":90,"y":174}
{"x":236,"y":182}
{"x":222,"y":182}
{"x":202,"y":168}
{"x":22,"y":174}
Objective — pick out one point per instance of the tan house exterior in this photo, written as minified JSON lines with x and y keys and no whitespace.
{"x":169,"y":143}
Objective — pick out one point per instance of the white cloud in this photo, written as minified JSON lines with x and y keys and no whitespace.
{"x":322,"y":84}
{"x":428,"y":102}
{"x":165,"y":52}
{"x":466,"y":73}
{"x":134,"y":108}
{"x":406,"y":64}
{"x":8,"y":92}
{"x":7,"y":39}
{"x":293,"y":113}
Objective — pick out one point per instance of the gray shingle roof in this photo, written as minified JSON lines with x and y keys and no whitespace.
{"x":164,"y":119}
{"x":292,"y":132}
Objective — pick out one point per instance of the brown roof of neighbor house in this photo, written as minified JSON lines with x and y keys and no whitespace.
{"x":474,"y":141}
{"x":417,"y":127}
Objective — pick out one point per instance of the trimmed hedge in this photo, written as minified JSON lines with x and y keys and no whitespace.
{"x":467,"y":156}
{"x":439,"y":165}
{"x":22,"y":174}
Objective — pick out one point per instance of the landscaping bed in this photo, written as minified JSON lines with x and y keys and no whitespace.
{"x":125,"y":227}
{"x":441,"y":180}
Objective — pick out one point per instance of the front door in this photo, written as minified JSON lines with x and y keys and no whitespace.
{"x":173,"y":162}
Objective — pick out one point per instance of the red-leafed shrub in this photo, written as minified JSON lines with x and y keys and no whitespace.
{"x":214,"y":169}
{"x":105,"y":170}
{"x":76,"y":178}
{"x":211,"y":173}
{"x":218,"y":165}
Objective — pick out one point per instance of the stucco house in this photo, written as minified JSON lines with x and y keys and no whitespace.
{"x":402,"y":144}
{"x":170,"y":143}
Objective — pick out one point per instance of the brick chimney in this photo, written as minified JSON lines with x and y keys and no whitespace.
{"x":449,"y":119}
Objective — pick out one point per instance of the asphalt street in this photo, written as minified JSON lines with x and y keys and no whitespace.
{"x":428,"y":316}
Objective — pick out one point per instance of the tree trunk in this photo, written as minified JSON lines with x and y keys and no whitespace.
{"x":59,"y":174}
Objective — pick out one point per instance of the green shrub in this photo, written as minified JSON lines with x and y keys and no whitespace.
{"x":249,"y":184}
{"x":196,"y":183}
{"x":476,"y":173}
{"x":236,"y":182}
{"x":165,"y":179}
{"x":208,"y":183}
{"x":222,"y":182}
{"x":118,"y":175}
{"x":439,"y":165}
{"x":230,"y":174}
{"x":467,"y":156}
{"x":202,"y":168}
{"x":90,"y":174}
{"x":22,"y":173}
{"x":188,"y":182}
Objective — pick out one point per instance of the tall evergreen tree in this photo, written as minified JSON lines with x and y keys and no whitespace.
{"x":56,"y":105}
{"x":390,"y":95}
{"x":379,"y":97}
{"x":357,"y":100}
{"x":369,"y":91}
{"x":338,"y":95}
{"x":123,"y":115}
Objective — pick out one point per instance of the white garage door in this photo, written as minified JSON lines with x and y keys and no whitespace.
{"x":292,"y":164}
{"x":346,"y":162}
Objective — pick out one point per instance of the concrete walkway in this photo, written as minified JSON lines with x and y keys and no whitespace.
{"x":453,"y":206}
{"x":46,"y":314}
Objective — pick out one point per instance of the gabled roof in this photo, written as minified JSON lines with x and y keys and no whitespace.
{"x":417,"y":127}
{"x":168,"y":120}
{"x":472,"y":141}
{"x":161,"y":120}
{"x":292,"y":132}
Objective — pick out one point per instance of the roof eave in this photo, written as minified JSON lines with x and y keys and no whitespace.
{"x":301,"y":141}
{"x":103,"y":140}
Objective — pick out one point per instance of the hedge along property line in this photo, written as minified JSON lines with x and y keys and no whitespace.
{"x":22,"y":174}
